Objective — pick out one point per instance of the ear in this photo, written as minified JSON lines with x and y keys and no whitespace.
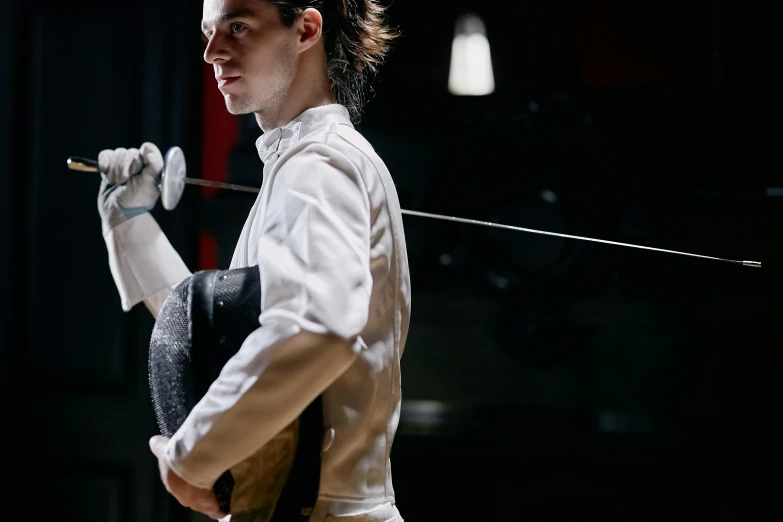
{"x":309,"y":26}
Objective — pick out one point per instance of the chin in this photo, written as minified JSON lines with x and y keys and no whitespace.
{"x":235,"y":111}
{"x":238,"y":106}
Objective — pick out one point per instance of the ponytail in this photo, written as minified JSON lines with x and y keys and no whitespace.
{"x":357,"y":38}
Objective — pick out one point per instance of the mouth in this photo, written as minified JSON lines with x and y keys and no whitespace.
{"x":225,"y":81}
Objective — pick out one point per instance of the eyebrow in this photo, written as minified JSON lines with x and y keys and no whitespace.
{"x":239,"y":13}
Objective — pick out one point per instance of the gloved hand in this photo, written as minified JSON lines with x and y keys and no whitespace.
{"x":130,"y":183}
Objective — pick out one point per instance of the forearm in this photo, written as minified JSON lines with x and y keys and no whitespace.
{"x":144,"y":265}
{"x":261,"y":390}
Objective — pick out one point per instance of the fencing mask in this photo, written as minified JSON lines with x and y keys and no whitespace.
{"x":200,"y":327}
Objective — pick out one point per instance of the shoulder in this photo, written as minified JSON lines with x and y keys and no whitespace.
{"x":339,"y":141}
{"x":333,"y":147}
{"x":326,"y":163}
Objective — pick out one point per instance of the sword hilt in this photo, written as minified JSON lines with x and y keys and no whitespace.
{"x":82,"y":164}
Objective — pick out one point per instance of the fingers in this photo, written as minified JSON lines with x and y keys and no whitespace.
{"x":120,"y":164}
{"x":145,"y":187}
{"x":202,"y":500}
{"x":209,"y":507}
{"x":198,"y":499}
{"x":153,"y":160}
{"x":158,"y":445}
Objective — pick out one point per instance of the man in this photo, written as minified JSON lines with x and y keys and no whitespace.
{"x":327,"y":236}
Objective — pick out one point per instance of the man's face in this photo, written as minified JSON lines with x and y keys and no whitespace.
{"x":252,"y":53}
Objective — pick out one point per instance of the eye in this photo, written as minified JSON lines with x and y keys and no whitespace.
{"x":237,"y":28}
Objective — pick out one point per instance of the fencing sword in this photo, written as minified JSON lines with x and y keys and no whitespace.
{"x":174,"y":178}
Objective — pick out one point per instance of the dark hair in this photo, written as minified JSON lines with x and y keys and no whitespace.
{"x":357,"y":38}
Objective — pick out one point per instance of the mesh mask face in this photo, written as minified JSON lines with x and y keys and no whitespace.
{"x":202,"y":324}
{"x":170,"y":366}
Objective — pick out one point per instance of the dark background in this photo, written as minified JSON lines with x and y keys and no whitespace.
{"x":544,"y":379}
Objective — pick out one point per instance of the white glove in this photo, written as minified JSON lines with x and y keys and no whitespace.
{"x":130,"y":183}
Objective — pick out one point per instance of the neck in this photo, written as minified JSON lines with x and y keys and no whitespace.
{"x":309,"y":89}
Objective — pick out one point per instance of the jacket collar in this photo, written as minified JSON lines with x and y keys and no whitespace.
{"x":277,"y":141}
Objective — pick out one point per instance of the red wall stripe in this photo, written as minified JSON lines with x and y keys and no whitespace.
{"x":219,"y":131}
{"x":207,"y":252}
{"x":219,"y":134}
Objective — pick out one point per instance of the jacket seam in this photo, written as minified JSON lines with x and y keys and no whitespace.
{"x":391,"y":403}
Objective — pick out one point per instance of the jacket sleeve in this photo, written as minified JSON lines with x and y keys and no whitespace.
{"x":144,"y":265}
{"x":314,"y":262}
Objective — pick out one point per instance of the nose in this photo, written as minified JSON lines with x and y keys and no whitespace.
{"x":216,"y":52}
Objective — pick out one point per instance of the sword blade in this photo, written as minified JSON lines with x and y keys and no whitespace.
{"x":220,"y":185}
{"x":754,"y":264}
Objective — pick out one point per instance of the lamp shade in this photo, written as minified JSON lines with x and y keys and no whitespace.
{"x":471,"y":73}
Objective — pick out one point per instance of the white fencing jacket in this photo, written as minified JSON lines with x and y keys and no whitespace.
{"x":326,"y":233}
